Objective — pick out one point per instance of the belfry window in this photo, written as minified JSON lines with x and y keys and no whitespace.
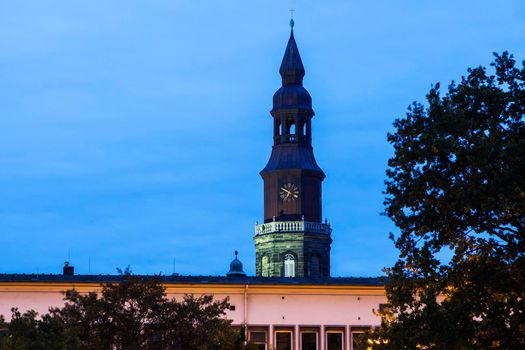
{"x":289,"y":265}
{"x":265,"y":266}
{"x":291,"y":132}
{"x":277,"y":130}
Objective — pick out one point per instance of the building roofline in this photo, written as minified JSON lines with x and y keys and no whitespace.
{"x":203,"y":280}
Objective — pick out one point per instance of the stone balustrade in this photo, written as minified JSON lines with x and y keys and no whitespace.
{"x":293,"y":226}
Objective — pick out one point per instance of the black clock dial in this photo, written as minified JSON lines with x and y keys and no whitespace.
{"x":289,"y":192}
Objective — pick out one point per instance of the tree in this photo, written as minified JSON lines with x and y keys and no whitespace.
{"x":132,"y":314}
{"x":27,"y":331}
{"x":196,"y":323}
{"x":455,"y":189}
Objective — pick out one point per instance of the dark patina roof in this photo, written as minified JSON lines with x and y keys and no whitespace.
{"x":292,"y":97}
{"x":292,"y":69}
{"x":292,"y":157}
{"x":326,"y":281}
{"x":236,"y":267}
{"x":292,"y":94}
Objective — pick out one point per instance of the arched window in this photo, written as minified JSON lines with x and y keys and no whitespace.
{"x":314,"y":266}
{"x":277,"y":128}
{"x":292,"y":129}
{"x":265,"y":266}
{"x":289,"y":265}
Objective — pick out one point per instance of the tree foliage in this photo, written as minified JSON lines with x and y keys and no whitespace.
{"x":455,"y":189}
{"x":131,"y":315}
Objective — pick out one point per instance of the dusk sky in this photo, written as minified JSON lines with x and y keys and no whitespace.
{"x":133,"y":132}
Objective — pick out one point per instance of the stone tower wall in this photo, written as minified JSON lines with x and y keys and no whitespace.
{"x":302,"y":245}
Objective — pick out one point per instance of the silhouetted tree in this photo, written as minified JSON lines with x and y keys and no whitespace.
{"x":456,"y":191}
{"x":28,"y":331}
{"x":130,"y":315}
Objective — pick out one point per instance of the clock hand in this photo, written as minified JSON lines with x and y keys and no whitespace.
{"x":285,"y":190}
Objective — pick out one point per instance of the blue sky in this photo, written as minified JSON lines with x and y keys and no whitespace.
{"x":132,"y":132}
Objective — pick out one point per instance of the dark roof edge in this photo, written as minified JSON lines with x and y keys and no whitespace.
{"x":171,"y":279}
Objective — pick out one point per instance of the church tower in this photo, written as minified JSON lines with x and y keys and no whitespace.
{"x":293,"y":241}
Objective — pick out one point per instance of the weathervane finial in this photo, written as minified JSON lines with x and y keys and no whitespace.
{"x":292,"y":23}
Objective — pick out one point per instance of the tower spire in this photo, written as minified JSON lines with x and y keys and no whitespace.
{"x":292,"y":69}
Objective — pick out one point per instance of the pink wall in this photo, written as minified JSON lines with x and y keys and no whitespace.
{"x":294,"y":307}
{"x":24,"y":301}
{"x":352,"y":307}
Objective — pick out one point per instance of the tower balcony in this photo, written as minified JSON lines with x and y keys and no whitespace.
{"x":293,"y":226}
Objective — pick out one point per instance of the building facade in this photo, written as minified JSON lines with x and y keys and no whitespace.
{"x":292,"y":241}
{"x":278,"y":313}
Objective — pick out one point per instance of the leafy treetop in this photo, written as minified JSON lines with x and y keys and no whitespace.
{"x":455,"y":189}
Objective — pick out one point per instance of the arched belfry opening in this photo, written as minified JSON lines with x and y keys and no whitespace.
{"x":302,"y":128}
{"x":292,"y":127}
{"x":291,"y":131}
{"x":292,"y":184}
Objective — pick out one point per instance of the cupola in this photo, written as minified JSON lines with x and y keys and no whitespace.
{"x":236,"y":267}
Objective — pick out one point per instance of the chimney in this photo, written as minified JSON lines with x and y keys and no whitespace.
{"x":68,"y":270}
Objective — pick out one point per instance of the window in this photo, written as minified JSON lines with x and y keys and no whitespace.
{"x":291,"y":132}
{"x":258,"y":339}
{"x":334,"y":341}
{"x":308,"y":341}
{"x":283,"y":341}
{"x":355,"y":338}
{"x":314,"y":266}
{"x":289,"y":265}
{"x":265,"y":266}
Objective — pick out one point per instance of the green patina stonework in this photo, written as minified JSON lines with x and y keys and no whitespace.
{"x":310,"y":250}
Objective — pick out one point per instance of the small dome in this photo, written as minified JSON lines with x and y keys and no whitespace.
{"x":292,"y":97}
{"x":236,"y":267}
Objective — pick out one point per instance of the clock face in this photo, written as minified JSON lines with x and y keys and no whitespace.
{"x":289,"y":192}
